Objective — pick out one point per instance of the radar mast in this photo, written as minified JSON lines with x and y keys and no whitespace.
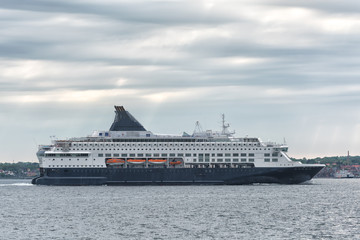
{"x":225,"y":131}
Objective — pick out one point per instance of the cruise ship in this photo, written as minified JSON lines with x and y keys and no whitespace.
{"x":128,"y":154}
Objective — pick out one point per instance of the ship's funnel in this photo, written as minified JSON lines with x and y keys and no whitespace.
{"x":124,"y":121}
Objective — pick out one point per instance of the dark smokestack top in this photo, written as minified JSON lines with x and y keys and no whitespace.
{"x":124,"y":121}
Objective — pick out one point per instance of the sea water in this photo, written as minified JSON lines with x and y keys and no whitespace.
{"x":320,"y":209}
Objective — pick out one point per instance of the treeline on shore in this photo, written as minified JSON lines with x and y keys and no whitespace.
{"x":338,"y":160}
{"x":19,"y":170}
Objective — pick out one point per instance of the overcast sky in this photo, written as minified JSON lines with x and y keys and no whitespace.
{"x":276,"y":69}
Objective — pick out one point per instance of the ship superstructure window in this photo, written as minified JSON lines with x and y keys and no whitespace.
{"x":107,"y":154}
{"x":243,"y":154}
{"x":275,"y":154}
{"x":266,"y":154}
{"x":267,"y":160}
{"x":251,"y":160}
{"x":124,"y":154}
{"x":251,"y":154}
{"x":274,"y":159}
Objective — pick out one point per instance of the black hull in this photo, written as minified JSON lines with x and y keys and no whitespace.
{"x":175,"y":176}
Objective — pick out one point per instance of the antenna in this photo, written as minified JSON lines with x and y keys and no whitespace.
{"x":198,"y":128}
{"x":225,"y":127}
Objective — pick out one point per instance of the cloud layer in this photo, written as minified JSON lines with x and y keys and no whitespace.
{"x":276,"y":68}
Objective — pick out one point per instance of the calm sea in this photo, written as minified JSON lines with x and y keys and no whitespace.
{"x":321,"y":209}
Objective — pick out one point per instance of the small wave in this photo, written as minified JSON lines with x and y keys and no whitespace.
{"x":17,"y":184}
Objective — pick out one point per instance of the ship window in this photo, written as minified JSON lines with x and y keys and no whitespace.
{"x":194,"y":155}
{"x":116,"y":154}
{"x":219,"y":154}
{"x":251,"y":154}
{"x":227,"y":160}
{"x":267,"y":154}
{"x":235,"y":154}
{"x":100,"y":155}
{"x":140,"y":154}
{"x":243,"y":154}
{"x":124,"y":154}
{"x":235,"y":160}
{"x":227,"y":154}
{"x":132,"y":154}
{"x":251,"y":160}
{"x":188,"y":154}
{"x":148,"y":154}
{"x":267,"y":160}
{"x":156,"y":154}
{"x":172,"y":154}
{"x":164,"y":154}
{"x":107,"y":154}
{"x":243,"y":159}
{"x":275,"y":154}
{"x":219,"y":160}
{"x":274,"y":159}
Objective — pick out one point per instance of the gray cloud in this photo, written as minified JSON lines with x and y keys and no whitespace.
{"x":276,"y":69}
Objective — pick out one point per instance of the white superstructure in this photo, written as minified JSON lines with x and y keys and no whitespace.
{"x":206,"y":149}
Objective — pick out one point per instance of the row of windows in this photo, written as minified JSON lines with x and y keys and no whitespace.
{"x":201,"y":155}
{"x":225,"y":160}
{"x":164,"y":144}
{"x":74,"y":165}
{"x":66,"y":154}
{"x":70,"y":159}
{"x":181,"y":140}
{"x":166,"y":149}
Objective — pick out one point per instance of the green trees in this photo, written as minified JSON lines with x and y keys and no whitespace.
{"x":19,"y":170}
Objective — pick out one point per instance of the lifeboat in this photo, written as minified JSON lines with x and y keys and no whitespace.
{"x":115,"y":161}
{"x":157,"y":161}
{"x":136,"y":161}
{"x":175,"y":162}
